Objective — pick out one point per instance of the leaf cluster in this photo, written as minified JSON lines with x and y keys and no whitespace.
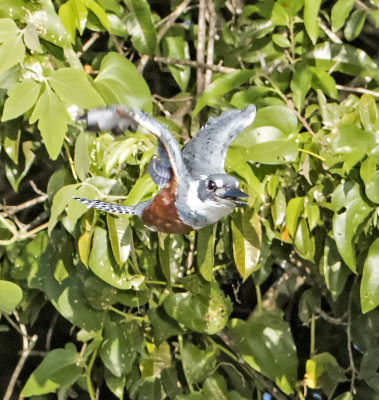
{"x":279,"y":299}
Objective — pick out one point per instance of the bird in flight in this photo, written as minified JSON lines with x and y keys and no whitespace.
{"x":194,"y":191}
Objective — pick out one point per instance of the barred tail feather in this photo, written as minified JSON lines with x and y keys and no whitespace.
{"x":107,"y":207}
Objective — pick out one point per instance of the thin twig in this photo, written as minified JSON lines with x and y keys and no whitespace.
{"x":27,"y":346}
{"x":90,"y":41}
{"x":357,"y":90}
{"x":10,"y":210}
{"x":332,"y":320}
{"x":195,"y":64}
{"x":170,"y":19}
{"x":331,"y":35}
{"x":200,"y":47}
{"x":349,"y":345}
{"x":211,"y":40}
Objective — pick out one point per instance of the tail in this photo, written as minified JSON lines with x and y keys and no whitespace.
{"x":108,"y":207}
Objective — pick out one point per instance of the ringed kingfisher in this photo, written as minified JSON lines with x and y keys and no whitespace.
{"x":195,"y":190}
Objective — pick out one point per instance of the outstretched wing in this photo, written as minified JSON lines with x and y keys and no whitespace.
{"x":160,"y":171}
{"x":205,"y":153}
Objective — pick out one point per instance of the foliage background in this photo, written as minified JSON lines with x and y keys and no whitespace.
{"x":280,"y":300}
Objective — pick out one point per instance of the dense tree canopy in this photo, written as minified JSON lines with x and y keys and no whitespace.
{"x":279,"y":300}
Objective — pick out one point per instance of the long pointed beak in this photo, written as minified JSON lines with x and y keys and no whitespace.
{"x":234,"y":192}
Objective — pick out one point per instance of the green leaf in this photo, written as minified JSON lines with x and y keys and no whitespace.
{"x":344,"y":58}
{"x":10,"y":296}
{"x":311,"y":10}
{"x":294,"y":210}
{"x":279,"y":15}
{"x":175,"y":46}
{"x":340,"y":12}
{"x":323,"y":370}
{"x":11,"y":133}
{"x":120,"y":236}
{"x":368,"y":111}
{"x":17,"y":102}
{"x":59,"y":368}
{"x":205,"y":252}
{"x":372,"y":188}
{"x":281,"y":40}
{"x":279,"y":117}
{"x":103,"y":264}
{"x":265,"y":343}
{"x":198,"y":363}
{"x":205,"y":313}
{"x":98,"y":11}
{"x":12,"y":52}
{"x":370,"y":279}
{"x":369,"y":368}
{"x":144,"y":37}
{"x":116,"y":351}
{"x":304,"y":241}
{"x":221,"y":86}
{"x":120,"y":83}
{"x":350,"y":138}
{"x":355,"y":24}
{"x":335,"y":271}
{"x":351,"y":210}
{"x":8,"y":30}
{"x":170,"y":256}
{"x":81,"y":157}
{"x":300,"y":83}
{"x":322,"y":80}
{"x":115,"y":384}
{"x":73,"y":87}
{"x":247,"y":241}
{"x":52,"y":119}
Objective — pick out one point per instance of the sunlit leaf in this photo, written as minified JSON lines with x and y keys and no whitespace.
{"x":370,"y":279}
{"x":10,"y":296}
{"x":311,"y":10}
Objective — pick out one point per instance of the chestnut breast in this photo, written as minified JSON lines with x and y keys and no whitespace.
{"x":161,"y":215}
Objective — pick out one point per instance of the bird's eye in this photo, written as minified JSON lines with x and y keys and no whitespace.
{"x":211,"y":185}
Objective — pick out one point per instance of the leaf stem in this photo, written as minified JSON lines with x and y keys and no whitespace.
{"x":312,"y":154}
{"x":313,"y":336}
{"x":259,"y":298}
{"x":88,"y":374}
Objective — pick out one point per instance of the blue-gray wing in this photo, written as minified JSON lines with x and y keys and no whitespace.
{"x":205,"y":154}
{"x":160,"y":170}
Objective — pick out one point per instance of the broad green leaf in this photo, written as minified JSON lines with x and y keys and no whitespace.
{"x":115,"y":384}
{"x":311,"y":10}
{"x":300,"y":84}
{"x":141,"y":26}
{"x":103,"y":264}
{"x":198,"y":363}
{"x":15,"y":173}
{"x":8,"y":30}
{"x":170,"y":256}
{"x":10,"y":296}
{"x":372,"y":188}
{"x":31,"y":38}
{"x":81,"y":157}
{"x":11,"y":132}
{"x":351,"y":137}
{"x":309,"y":303}
{"x":205,"y":252}
{"x":143,"y":189}
{"x":247,"y":240}
{"x":60,"y":201}
{"x":120,"y":83}
{"x":205,"y":313}
{"x":98,"y":11}
{"x":18,"y":102}
{"x":59,"y":368}
{"x":12,"y":52}
{"x":322,"y":80}
{"x":344,"y":58}
{"x":334,"y":270}
{"x":120,"y":236}
{"x":370,"y":279}
{"x":52,"y":119}
{"x":368,"y":111}
{"x":368,"y":168}
{"x":163,"y":325}
{"x":351,"y":210}
{"x":323,"y":370}
{"x":281,"y":40}
{"x":304,"y":241}
{"x":175,"y":46}
{"x":116,"y":351}
{"x":369,"y":368}
{"x":265,"y":343}
{"x":340,"y":12}
{"x":278,"y":209}
{"x":279,"y":117}
{"x":279,"y":16}
{"x":99,"y":294}
{"x":294,"y":209}
{"x":355,"y":24}
{"x":221,"y":86}
{"x":73,"y":87}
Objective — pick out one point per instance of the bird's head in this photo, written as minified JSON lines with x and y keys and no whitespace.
{"x":221,"y":189}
